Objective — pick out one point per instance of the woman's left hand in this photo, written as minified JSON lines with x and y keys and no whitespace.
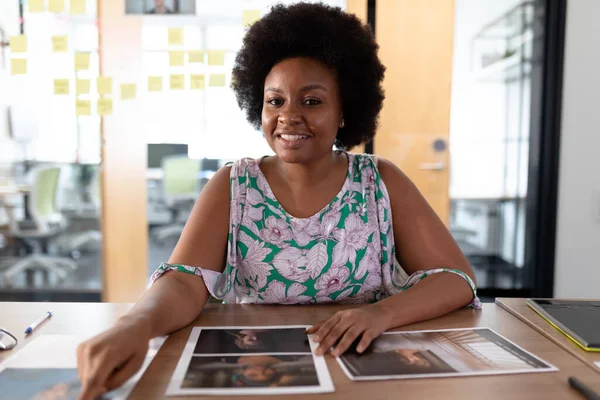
{"x":346,"y":326}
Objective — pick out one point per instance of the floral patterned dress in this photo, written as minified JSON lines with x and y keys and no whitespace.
{"x":343,"y":253}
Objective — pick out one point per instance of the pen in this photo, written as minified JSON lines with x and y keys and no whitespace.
{"x":585,"y":391}
{"x":38,"y":322}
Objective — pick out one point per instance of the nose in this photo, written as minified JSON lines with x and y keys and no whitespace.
{"x":289,"y":114}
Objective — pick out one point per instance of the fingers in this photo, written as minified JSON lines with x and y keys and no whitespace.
{"x":325,"y":327}
{"x":125,"y":372}
{"x":314,"y":328}
{"x":349,"y":337}
{"x":335,"y":333}
{"x":368,"y":336}
{"x":96,"y":367}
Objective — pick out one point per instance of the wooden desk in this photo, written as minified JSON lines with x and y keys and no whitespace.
{"x":90,"y":318}
{"x":521,"y":310}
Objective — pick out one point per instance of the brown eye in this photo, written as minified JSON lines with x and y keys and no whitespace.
{"x":275,"y":102}
{"x":312,"y":102}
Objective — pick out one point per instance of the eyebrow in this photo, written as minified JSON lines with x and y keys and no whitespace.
{"x":314,"y":86}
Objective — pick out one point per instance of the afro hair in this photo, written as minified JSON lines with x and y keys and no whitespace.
{"x":338,"y":40}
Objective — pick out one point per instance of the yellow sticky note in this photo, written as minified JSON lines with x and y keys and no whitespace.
{"x":35,"y":6}
{"x":128,"y":91}
{"x":155,"y":83}
{"x":176,"y":58}
{"x":105,"y":106}
{"x":82,"y":86}
{"x":216,"y":57}
{"x":197,"y":81}
{"x":217,"y":80}
{"x":82,"y":61}
{"x":18,"y":66}
{"x":18,"y":44}
{"x":61,"y":86}
{"x":196,"y":56}
{"x":104,"y":85}
{"x":77,"y":7}
{"x":60,"y":44}
{"x":177,"y":82}
{"x":83,"y":107}
{"x":250,"y":16}
{"x":175,"y":36}
{"x":56,"y":6}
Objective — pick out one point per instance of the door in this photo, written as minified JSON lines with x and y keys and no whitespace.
{"x":416,"y":39}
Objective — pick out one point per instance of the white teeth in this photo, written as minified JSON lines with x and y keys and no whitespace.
{"x":293,"y":137}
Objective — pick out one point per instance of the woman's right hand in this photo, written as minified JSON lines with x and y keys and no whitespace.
{"x":106,"y":361}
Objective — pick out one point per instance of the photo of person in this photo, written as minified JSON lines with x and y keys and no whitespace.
{"x":446,"y":353}
{"x":160,"y":7}
{"x":39,"y":384}
{"x":252,"y":371}
{"x":240,"y":341}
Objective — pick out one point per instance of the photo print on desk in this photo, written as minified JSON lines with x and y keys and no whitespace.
{"x":441,"y":353}
{"x":250,"y":360}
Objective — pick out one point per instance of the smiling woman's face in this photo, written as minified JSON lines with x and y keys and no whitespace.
{"x":301,"y":110}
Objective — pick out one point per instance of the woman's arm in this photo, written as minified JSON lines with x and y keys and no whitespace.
{"x":422,"y":242}
{"x":106,"y":361}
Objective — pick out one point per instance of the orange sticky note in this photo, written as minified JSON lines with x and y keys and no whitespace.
{"x":175,"y":36}
{"x":83,"y":107}
{"x":177,"y":82}
{"x":197,"y":81}
{"x":104,"y":85}
{"x":196,"y":56}
{"x":216,"y":57}
{"x":61,"y":86}
{"x":18,"y":66}
{"x":155,"y":83}
{"x":35,"y":6}
{"x":217,"y":80}
{"x":250,"y":16}
{"x":105,"y":106}
{"x":18,"y":44}
{"x":60,"y":44}
{"x":82,"y":86}
{"x":176,"y":58}
{"x":56,"y":6}
{"x":128,"y":91}
{"x":77,"y":7}
{"x":82,"y":61}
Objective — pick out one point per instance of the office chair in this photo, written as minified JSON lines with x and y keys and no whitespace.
{"x":180,"y":189}
{"x":45,"y":224}
{"x":74,"y":243}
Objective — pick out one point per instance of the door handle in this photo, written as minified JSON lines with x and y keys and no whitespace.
{"x":434,"y":166}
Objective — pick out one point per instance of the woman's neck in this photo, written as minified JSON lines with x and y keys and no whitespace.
{"x":312,"y":174}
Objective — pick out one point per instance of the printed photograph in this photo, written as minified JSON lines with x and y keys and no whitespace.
{"x":39,"y":383}
{"x":160,"y":7}
{"x":454,"y":352}
{"x":241,"y":341}
{"x":252,"y":371}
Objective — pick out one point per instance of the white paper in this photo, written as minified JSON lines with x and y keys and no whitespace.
{"x":226,"y":363}
{"x":597,"y":364}
{"x":57,"y":354}
{"x":439,"y":354}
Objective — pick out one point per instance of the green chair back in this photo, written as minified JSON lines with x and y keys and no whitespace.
{"x":180,"y":175}
{"x":45,"y":188}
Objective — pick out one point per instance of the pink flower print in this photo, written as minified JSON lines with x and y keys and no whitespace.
{"x":304,"y":230}
{"x":275,"y":293}
{"x":352,"y":238}
{"x":254,"y":197}
{"x":369,"y":263}
{"x":332,"y":281}
{"x":368,"y":176}
{"x":344,"y":295}
{"x":373,"y":282}
{"x":252,"y":267}
{"x":291,"y":264}
{"x":236,"y":202}
{"x":276,"y":231}
{"x":383,"y":205}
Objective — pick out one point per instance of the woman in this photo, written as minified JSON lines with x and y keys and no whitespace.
{"x":308,"y":225}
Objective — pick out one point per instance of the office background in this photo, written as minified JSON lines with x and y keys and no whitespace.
{"x":486,"y":153}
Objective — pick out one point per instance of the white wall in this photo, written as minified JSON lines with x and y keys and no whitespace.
{"x":578,"y":231}
{"x":9,"y":17}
